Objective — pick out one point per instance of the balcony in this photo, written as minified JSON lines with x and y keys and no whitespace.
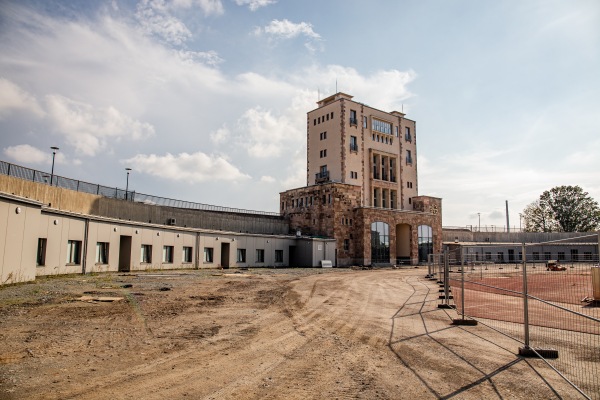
{"x":322,"y":176}
{"x":408,"y":137}
{"x":409,"y":160}
{"x":353,"y":147}
{"x":353,"y":121}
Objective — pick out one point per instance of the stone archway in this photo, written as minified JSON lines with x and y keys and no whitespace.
{"x":403,"y":239}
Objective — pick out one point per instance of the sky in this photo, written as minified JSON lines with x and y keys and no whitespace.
{"x":206,"y":100}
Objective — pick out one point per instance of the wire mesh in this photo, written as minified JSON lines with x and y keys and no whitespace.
{"x":557,"y":306}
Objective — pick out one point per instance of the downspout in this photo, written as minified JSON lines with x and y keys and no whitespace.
{"x":197,"y":252}
{"x":85,"y":246}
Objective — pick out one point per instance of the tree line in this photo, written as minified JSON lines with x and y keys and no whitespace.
{"x":562,"y":209}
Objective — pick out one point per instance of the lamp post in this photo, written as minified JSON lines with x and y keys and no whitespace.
{"x":479,"y":218}
{"x":54,"y":150}
{"x":520,"y":216}
{"x":127,"y":185}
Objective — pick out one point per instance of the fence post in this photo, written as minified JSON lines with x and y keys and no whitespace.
{"x":525,"y":298}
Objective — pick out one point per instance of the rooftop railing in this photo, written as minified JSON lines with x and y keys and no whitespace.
{"x":33,"y":175}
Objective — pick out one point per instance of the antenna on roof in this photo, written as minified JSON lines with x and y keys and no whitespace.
{"x":336,"y":85}
{"x":318,"y":94}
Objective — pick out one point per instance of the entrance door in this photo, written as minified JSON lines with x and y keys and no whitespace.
{"x":292,"y":252}
{"x":125,"y":254}
{"x":225,"y":255}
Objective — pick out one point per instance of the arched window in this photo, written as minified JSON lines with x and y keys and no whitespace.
{"x":380,"y":242}
{"x":425,"y":242}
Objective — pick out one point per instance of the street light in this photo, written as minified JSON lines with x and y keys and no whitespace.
{"x":127,"y":185}
{"x":479,"y":218}
{"x":520,"y":216}
{"x":54,"y":150}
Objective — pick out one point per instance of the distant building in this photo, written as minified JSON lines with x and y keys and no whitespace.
{"x":362,"y":186}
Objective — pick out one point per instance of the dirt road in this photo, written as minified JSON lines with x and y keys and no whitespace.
{"x":258,"y":334}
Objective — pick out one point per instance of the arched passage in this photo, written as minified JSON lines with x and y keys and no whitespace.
{"x":403,"y":243}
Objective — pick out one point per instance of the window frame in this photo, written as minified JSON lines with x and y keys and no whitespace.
{"x":209,"y":255}
{"x":73,"y":252}
{"x":168,"y":254}
{"x":40,"y":259}
{"x":146,"y":254}
{"x":187,"y":254}
{"x":260,"y":255}
{"x":102,"y":253}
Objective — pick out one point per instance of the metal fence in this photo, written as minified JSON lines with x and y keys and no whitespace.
{"x":29,"y":174}
{"x":552,"y":308}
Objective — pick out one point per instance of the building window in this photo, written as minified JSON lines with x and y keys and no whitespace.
{"x":74,"y":252}
{"x":365,"y":122}
{"x":241,"y":255}
{"x":323,"y":153}
{"x":392,"y":170}
{"x":380,"y":242}
{"x":260,"y":255}
{"x":323,"y":136}
{"x":208,"y":254}
{"x":587,"y":255}
{"x":547,"y":255}
{"x":353,"y":120}
{"x":186,"y":255}
{"x":425,"y":242}
{"x":384,"y":198}
{"x":346,"y":244}
{"x":408,"y":157}
{"x":101,"y":253}
{"x":146,"y":253}
{"x":353,"y":175}
{"x":314,"y":121}
{"x":41,"y":252}
{"x":407,"y":135}
{"x":396,"y":130}
{"x":500,"y":257}
{"x":278,"y":256}
{"x":574,"y":255}
{"x":393,"y":199}
{"x":327,"y":117}
{"x":381,"y":126}
{"x":376,"y":197}
{"x":353,"y":143}
{"x":168,"y":254}
{"x":488,"y":256}
{"x":329,"y":198}
{"x":561,"y":256}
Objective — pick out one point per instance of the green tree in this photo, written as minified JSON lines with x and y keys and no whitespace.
{"x":538,"y":217}
{"x":562,"y":208}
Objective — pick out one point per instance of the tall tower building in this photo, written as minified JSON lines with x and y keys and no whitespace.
{"x":350,"y":142}
{"x":362,"y":186}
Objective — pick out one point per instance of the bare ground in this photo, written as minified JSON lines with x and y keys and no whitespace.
{"x":258,"y":334}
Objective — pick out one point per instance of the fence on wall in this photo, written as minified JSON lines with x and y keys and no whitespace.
{"x":33,"y":175}
{"x":552,"y":308}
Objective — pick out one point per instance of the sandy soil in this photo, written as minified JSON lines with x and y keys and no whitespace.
{"x":257,"y":334}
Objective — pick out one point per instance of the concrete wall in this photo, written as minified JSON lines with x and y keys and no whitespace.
{"x":515,"y":237}
{"x":84,"y":203}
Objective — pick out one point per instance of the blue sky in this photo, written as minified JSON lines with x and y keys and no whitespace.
{"x":206,"y":99}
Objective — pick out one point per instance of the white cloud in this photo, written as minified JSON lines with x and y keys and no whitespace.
{"x":24,"y":153}
{"x":267,"y":179}
{"x":154,"y":18}
{"x":87,"y":128}
{"x":13,"y":98}
{"x":286,"y":29}
{"x":210,"y":58}
{"x":254,"y":5}
{"x":192,"y":168}
{"x":221,"y":135}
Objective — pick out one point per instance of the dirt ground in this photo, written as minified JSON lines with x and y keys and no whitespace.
{"x":256,"y":334}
